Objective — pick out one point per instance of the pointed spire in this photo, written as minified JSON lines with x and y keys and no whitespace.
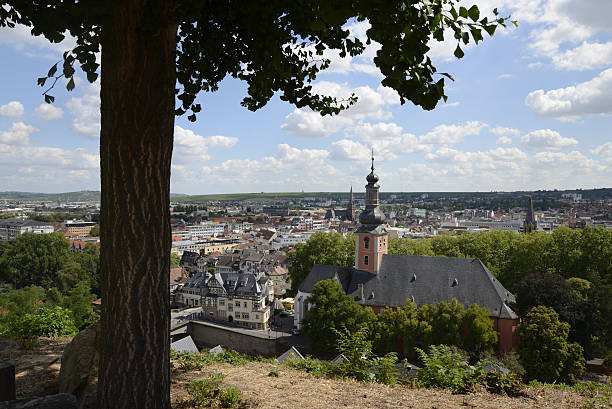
{"x":372,"y":160}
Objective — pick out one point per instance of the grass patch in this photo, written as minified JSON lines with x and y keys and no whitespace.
{"x":189,"y":361}
{"x":274,"y":373}
{"x":209,"y":391}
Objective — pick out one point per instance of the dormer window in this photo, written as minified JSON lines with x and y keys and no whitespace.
{"x":366,"y":243}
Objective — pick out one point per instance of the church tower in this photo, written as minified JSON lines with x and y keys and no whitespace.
{"x":371,"y":238}
{"x":350,"y":209}
{"x":530,"y":223}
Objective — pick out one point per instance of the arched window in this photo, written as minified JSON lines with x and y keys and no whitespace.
{"x":366,"y":243}
{"x":366,"y":260}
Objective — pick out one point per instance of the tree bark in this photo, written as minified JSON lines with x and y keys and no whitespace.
{"x":137,"y":105}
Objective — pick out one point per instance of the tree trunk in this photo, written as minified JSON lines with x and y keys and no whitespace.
{"x":138,"y":81}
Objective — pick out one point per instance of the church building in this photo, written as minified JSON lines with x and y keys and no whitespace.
{"x":379,"y":280}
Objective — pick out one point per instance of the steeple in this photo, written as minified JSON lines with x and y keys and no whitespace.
{"x":372,"y":215}
{"x":530,"y":223}
{"x":371,"y":237}
{"x":350,"y":209}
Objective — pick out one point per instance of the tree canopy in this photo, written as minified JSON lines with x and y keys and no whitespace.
{"x":321,"y":248}
{"x":282,"y":50}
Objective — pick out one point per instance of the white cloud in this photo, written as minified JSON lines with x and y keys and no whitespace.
{"x":48,"y":112}
{"x":190,"y":146}
{"x":349,"y":150}
{"x":587,"y":56}
{"x":13,"y":109}
{"x":449,"y":134}
{"x":371,"y":104}
{"x":20,"y":38}
{"x":450,"y":104}
{"x":504,"y":76}
{"x":584,"y":99}
{"x":504,"y":140}
{"x":462,"y":162}
{"x":573,"y":159}
{"x":310,"y":124}
{"x":290,"y":168}
{"x":18,"y":134}
{"x":546,"y":139}
{"x":501,"y":130}
{"x":46,"y":158}
{"x":603,"y":150}
{"x":86,"y":112}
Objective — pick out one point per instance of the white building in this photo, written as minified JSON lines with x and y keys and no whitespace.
{"x":11,"y":228}
{"x":205,"y":230}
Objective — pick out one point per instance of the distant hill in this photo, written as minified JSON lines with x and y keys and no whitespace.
{"x":593,"y":194}
{"x":81,"y":196}
{"x":94,"y":195}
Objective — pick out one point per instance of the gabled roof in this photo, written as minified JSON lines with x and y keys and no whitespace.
{"x":426,"y":280}
{"x":291,"y":353}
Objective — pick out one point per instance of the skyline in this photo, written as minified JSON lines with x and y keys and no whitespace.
{"x":528,"y":111}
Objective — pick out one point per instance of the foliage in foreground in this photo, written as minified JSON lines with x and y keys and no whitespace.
{"x":445,"y":367}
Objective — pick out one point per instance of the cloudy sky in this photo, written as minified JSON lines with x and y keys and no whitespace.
{"x":530,"y":109}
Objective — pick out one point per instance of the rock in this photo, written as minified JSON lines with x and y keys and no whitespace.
{"x":61,"y":401}
{"x":79,"y":371}
{"x":8,"y":343}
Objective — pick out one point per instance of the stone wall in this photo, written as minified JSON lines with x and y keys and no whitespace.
{"x":207,"y":334}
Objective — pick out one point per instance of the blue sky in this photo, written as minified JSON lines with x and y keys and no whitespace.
{"x":530,"y":109}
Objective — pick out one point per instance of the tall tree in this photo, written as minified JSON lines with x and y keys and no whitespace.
{"x":148,"y":46}
{"x":321,"y":248}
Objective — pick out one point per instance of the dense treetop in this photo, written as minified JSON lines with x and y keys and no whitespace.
{"x":281,"y":50}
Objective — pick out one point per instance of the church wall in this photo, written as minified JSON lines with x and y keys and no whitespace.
{"x":507,"y":329}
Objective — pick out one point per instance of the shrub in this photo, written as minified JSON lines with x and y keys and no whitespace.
{"x":445,"y":368}
{"x":206,"y":391}
{"x":188,"y":361}
{"x":230,"y":397}
{"x":315,"y":367}
{"x":231,"y":357}
{"x":274,"y":373}
{"x":385,"y":371}
{"x":43,"y":322}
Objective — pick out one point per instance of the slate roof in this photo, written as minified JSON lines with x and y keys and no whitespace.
{"x":426,"y":280}
{"x":291,"y":353}
{"x":184,"y":345}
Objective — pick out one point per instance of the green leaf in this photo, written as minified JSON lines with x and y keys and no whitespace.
{"x":52,"y":70}
{"x":490,"y":29}
{"x":41,"y":81}
{"x":49,"y":99}
{"x":92,"y":76}
{"x":454,"y":13}
{"x":476,"y":35}
{"x":474,"y":13}
{"x":459,"y":52}
{"x":70,"y":85}
{"x":465,"y":37}
{"x":463,"y":12}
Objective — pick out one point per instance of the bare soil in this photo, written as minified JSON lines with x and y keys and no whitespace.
{"x":37,"y":366}
{"x":298,"y":389}
{"x":37,"y":370}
